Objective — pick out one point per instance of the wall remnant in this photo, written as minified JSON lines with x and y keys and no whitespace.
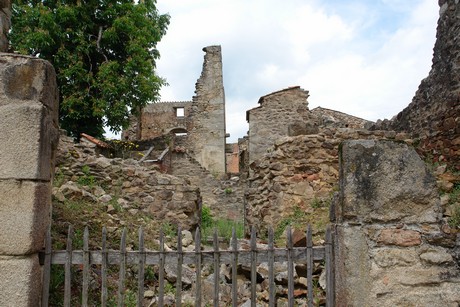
{"x":390,"y":248}
{"x":300,"y":173}
{"x":202,"y":119}
{"x":29,"y":125}
{"x":278,"y":113}
{"x":433,"y":116}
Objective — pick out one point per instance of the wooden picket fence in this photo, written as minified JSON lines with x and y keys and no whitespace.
{"x":143,"y":258}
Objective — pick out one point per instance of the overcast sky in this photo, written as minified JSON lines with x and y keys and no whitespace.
{"x":362,"y":57}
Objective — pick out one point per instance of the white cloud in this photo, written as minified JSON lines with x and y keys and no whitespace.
{"x":360,"y":57}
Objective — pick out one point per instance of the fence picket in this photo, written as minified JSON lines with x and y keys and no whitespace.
{"x":85,"y":277}
{"x":68,"y":267}
{"x":290,"y":265}
{"x":47,"y":269}
{"x":161,"y":271}
{"x":104,"y":268}
{"x":309,"y":267}
{"x":141,"y":271}
{"x":253,"y":267}
{"x":234,"y":268}
{"x":271,"y":271}
{"x":216,"y":268}
{"x":198,"y":266}
{"x":122,"y":273}
{"x":329,"y":268}
{"x":180,"y":261}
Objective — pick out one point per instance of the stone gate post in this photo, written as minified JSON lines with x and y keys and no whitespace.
{"x":389,"y":249}
{"x":28,"y":139}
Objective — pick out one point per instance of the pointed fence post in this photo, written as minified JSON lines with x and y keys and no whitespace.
{"x":141,"y":271}
{"x":198,"y":266}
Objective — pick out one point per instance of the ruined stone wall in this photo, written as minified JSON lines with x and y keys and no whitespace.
{"x":158,"y":119}
{"x":140,"y":189}
{"x":335,"y":119}
{"x":390,"y":249}
{"x":434,"y":113}
{"x":277,"y":112}
{"x":28,"y":138}
{"x":203,"y":119}
{"x":224,"y":197}
{"x":206,"y":139}
{"x":300,"y":172}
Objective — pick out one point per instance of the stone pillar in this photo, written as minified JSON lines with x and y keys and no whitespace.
{"x":28,"y":138}
{"x":390,"y":250}
{"x":206,"y":123}
{"x":5,"y":23}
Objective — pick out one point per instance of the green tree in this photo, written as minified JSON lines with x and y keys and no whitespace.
{"x":104,"y":53}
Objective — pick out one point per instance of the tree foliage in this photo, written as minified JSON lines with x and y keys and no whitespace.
{"x":104,"y":53}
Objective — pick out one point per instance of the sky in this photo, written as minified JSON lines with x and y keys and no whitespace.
{"x":362,"y":57}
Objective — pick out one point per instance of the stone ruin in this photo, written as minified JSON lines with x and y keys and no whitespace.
{"x":393,"y":246}
{"x":201,"y":121}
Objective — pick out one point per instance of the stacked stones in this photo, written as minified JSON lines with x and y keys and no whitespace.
{"x":297,"y":172}
{"x":390,"y":248}
{"x":434,"y":113}
{"x":223,"y":197}
{"x":29,"y":136}
{"x":139,"y":189}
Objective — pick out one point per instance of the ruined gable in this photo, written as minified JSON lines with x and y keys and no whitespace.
{"x":202,"y":120}
{"x":271,"y":120}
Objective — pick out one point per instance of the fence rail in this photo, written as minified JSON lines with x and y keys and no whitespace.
{"x":144,"y":258}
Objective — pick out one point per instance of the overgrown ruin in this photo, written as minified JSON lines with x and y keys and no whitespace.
{"x":396,"y":244}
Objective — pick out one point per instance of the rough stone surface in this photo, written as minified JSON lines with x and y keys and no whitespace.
{"x":270,"y":121}
{"x":24,"y":216}
{"x":28,"y":117}
{"x":299,"y":172}
{"x":29,"y":137}
{"x":434,"y":113}
{"x":138,"y":188}
{"x":202,"y":119}
{"x":369,"y":190}
{"x":399,"y":237}
{"x":389,"y":250}
{"x":21,"y":281}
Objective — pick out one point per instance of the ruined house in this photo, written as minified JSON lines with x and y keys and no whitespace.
{"x":200,"y":122}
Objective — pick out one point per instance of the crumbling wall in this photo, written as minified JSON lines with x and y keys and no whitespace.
{"x":335,"y":119}
{"x":299,"y":172}
{"x":434,"y":113}
{"x":390,"y":249}
{"x":158,"y":119}
{"x":28,"y":138}
{"x":140,"y":189}
{"x":280,"y":114}
{"x":203,"y":118}
{"x":206,"y":128}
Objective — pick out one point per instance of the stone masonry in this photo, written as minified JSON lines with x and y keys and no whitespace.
{"x":277,"y":114}
{"x":29,"y":137}
{"x":202,"y":119}
{"x":433,"y":116}
{"x":390,"y":248}
{"x":299,"y":172}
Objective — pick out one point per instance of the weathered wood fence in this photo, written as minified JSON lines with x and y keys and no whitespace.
{"x":143,"y":258}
